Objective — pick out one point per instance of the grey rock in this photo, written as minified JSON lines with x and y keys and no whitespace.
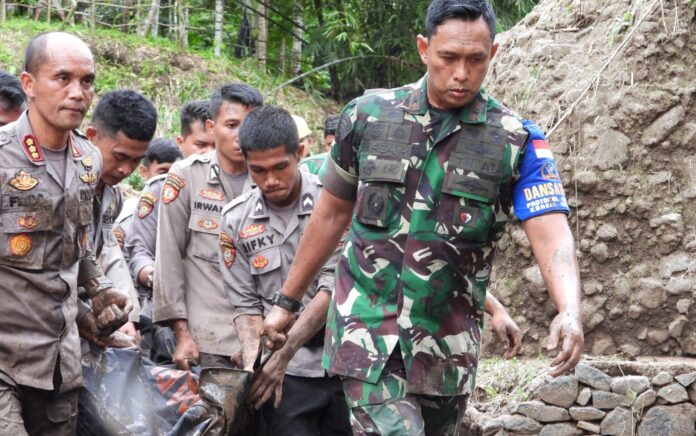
{"x":592,"y":377}
{"x":600,"y":252}
{"x":609,"y":400}
{"x":586,"y":413}
{"x":614,"y":156}
{"x":589,"y":427}
{"x":630,"y":350}
{"x":674,"y":393}
{"x":515,"y":423}
{"x":603,"y":346}
{"x":533,"y":275}
{"x":645,"y":400}
{"x":678,"y":286}
{"x":688,"y":344}
{"x":692,"y":393}
{"x":635,"y":311}
{"x":686,"y":379}
{"x":662,"y":378}
{"x":651,"y":293}
{"x":676,"y":327}
{"x":560,"y":391}
{"x":669,"y":420}
{"x":563,"y":429}
{"x":663,"y":126}
{"x":683,"y":306}
{"x":657,"y":336}
{"x":636,"y":383}
{"x":584,"y":396}
{"x":541,"y":412}
{"x":607,"y":232}
{"x":586,"y":180}
{"x":619,"y":422}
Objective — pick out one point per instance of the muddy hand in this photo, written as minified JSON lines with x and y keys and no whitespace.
{"x":88,"y":330}
{"x":276,"y":326}
{"x":508,"y":332}
{"x":111,"y":309}
{"x":568,"y":328}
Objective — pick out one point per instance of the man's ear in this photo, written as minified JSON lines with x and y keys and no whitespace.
{"x":144,"y":172}
{"x":27,"y":81}
{"x":91,"y":133}
{"x":300,"y":152}
{"x":209,"y":124}
{"x":494,"y":49}
{"x":422,"y":43}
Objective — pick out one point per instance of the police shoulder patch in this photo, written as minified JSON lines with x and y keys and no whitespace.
{"x":145,"y":204}
{"x":227,"y":248}
{"x":171,"y":188}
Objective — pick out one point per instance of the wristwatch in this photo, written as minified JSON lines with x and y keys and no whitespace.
{"x":286,"y":303}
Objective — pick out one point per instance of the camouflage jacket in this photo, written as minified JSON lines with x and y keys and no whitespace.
{"x":432,"y":198}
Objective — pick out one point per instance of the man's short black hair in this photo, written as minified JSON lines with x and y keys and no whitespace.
{"x":12,"y":95}
{"x":162,"y":150}
{"x":235,"y":93}
{"x":440,"y":11}
{"x":35,"y":53}
{"x":331,"y":124}
{"x":126,"y":111}
{"x":192,"y":111}
{"x":267,"y":128}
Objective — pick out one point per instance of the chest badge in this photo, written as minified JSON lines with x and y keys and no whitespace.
{"x":20,"y":245}
{"x":212,"y":194}
{"x":28,"y":222}
{"x":260,"y":262}
{"x":87,"y":163}
{"x":252,"y":230}
{"x":89,"y":178}
{"x":23,"y":181}
{"x":228,"y":250}
{"x":208,"y":224}
{"x":146,"y":204}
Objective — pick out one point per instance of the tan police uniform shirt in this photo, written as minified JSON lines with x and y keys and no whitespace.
{"x":45,"y":232}
{"x":141,"y":240}
{"x":256,"y":251}
{"x":187,"y":282}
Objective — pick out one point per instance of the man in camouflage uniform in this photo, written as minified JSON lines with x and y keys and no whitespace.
{"x":260,"y":232}
{"x":48,"y":172}
{"x":122,"y":126}
{"x":313,"y":164}
{"x":188,"y":293}
{"x":430,"y":173}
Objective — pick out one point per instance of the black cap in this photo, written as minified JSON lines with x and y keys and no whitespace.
{"x":331,"y":124}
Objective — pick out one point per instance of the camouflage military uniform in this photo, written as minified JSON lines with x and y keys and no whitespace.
{"x":313,"y":164}
{"x":434,"y":194}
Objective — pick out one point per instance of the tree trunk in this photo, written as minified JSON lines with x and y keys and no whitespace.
{"x":93,"y":14}
{"x":183,"y":24}
{"x":263,"y":36}
{"x":219,"y":21}
{"x":152,"y":13}
{"x":156,"y":19}
{"x":2,"y":12}
{"x":296,"y":57}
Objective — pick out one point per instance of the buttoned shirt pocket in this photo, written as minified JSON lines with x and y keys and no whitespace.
{"x":205,"y":231}
{"x":23,"y":238}
{"x":264,"y":266}
{"x":380,"y":192}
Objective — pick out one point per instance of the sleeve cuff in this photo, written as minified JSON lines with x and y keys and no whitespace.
{"x":169,"y":312}
{"x":339,"y":182}
{"x":247,"y":311}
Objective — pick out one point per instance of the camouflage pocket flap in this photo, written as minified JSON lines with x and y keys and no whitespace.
{"x":485,"y":191}
{"x":382,"y":170}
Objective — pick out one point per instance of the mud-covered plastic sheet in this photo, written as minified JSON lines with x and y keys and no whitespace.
{"x":124,"y":394}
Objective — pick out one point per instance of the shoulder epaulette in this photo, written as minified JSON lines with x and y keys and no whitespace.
{"x":238,"y":200}
{"x":5,"y":137}
{"x":80,"y":134}
{"x":156,"y":178}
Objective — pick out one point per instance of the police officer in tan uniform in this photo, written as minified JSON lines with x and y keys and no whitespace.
{"x":260,"y":233}
{"x":188,"y":292}
{"x":122,"y":127}
{"x":47,"y":176}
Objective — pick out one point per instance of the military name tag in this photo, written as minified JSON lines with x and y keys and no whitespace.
{"x":484,"y":150}
{"x":388,"y":149}
{"x":471,"y":187}
{"x":477,"y":165}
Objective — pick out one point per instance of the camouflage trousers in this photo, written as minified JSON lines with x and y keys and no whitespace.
{"x":386,"y":408}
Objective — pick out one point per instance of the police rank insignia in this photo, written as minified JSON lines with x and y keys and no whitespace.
{"x":212,"y":194}
{"x":259,"y":262}
{"x":28,"y":222}
{"x":208,"y":224}
{"x":20,"y":245}
{"x":171,"y":188}
{"x":229,"y":252}
{"x":146,"y":204}
{"x":23,"y":181}
{"x":89,"y":178}
{"x":87,"y":163}
{"x":252,"y":230}
{"x":32,"y":149}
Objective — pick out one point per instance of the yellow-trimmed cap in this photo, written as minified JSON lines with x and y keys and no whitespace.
{"x":302,"y":127}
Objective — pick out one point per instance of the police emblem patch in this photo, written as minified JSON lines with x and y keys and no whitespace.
{"x":23,"y":181}
{"x":32,"y":149}
{"x":87,"y":163}
{"x":89,"y":178}
{"x":259,"y":262}
{"x":171,"y":188}
{"x":120,"y":236}
{"x":146,"y":204}
{"x":208,"y":224}
{"x":252,"y":230}
{"x":20,"y":245}
{"x":229,"y":252}
{"x":212,"y":194}
{"x":28,"y":222}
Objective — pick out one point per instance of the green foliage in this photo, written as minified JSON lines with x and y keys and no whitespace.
{"x":135,"y":180}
